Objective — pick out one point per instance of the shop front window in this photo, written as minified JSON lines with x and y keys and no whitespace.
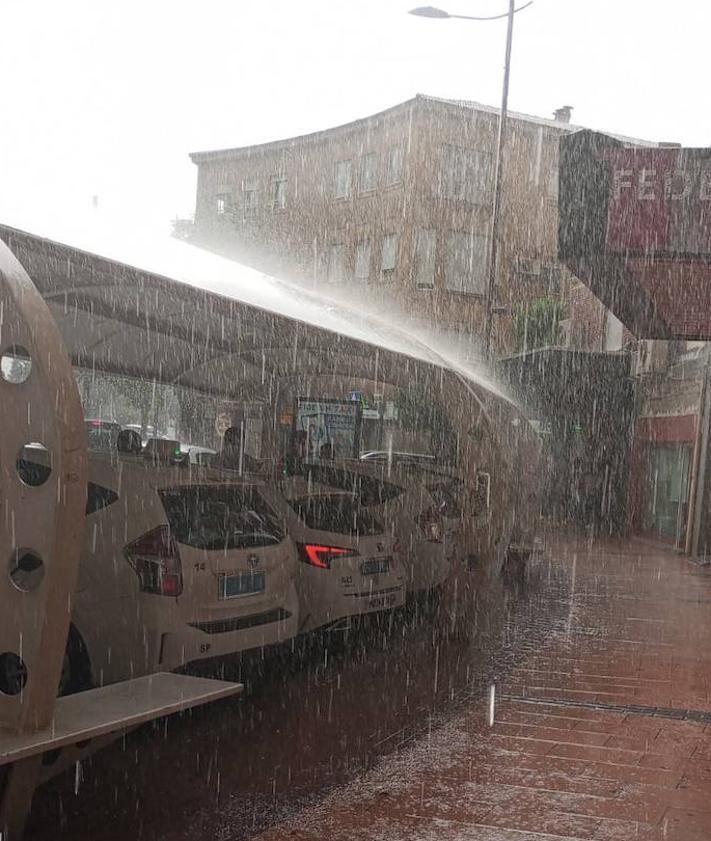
{"x":668,"y":490}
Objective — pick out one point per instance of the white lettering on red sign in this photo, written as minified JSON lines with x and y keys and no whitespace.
{"x":622,"y":178}
{"x":649,"y":185}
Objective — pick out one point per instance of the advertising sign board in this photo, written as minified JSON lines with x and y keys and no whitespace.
{"x":635,"y":227}
{"x":327,"y":429}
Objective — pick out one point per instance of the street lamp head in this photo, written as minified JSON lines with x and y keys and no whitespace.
{"x":429,"y":12}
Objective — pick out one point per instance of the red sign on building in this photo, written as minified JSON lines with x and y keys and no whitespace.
{"x":635,"y":226}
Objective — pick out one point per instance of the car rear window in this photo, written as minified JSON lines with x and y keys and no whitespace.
{"x":220,"y":517}
{"x":336,"y":513}
{"x":369,"y":489}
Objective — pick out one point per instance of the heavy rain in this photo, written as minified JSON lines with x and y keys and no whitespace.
{"x":355,"y":397}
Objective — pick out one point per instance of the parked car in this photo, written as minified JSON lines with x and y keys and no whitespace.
{"x":425,"y":506}
{"x":350,"y":562}
{"x":101,"y":434}
{"x":178,"y":565}
{"x":145,"y":432}
{"x":453,"y":554}
{"x":200,"y":455}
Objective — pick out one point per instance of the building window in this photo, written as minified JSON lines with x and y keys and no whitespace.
{"x":393,"y":171}
{"x":465,"y":175}
{"x":425,"y":245}
{"x":344,"y":175}
{"x":553,"y":184}
{"x":465,"y":269}
{"x":362,"y":260}
{"x":223,"y":204}
{"x":368,"y":173}
{"x":249,"y":199}
{"x":336,"y":263}
{"x":388,"y":257}
{"x":279,"y":193}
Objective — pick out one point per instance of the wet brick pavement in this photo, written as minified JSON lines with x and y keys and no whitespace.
{"x":602,"y":732}
{"x":601,"y":728}
{"x":310,"y":722}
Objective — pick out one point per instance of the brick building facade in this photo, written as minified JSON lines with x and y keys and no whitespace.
{"x":396,"y":209}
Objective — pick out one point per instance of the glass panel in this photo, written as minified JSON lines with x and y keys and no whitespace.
{"x":368,"y":173}
{"x":343,"y":179}
{"x":336,"y":264}
{"x":465,"y":174}
{"x":465,"y":269}
{"x":228,"y":517}
{"x":280,"y":193}
{"x":425,"y":243}
{"x":393,"y":174}
{"x":362,"y":260}
{"x":389,"y":256}
{"x":668,"y":480}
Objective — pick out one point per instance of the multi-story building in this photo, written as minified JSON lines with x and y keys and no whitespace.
{"x":635,"y":227}
{"x":396,"y":208}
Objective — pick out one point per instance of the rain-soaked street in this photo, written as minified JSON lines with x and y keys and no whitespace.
{"x":602,"y":705}
{"x":308,"y":723}
{"x":355,"y":421}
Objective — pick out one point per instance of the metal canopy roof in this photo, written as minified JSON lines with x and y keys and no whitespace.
{"x":155,"y":307}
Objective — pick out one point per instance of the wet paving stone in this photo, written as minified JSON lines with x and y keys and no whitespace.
{"x":599,"y":729}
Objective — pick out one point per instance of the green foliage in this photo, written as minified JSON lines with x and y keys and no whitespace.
{"x":537,"y":324}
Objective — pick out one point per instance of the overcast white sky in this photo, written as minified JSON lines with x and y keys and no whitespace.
{"x":105,"y":98}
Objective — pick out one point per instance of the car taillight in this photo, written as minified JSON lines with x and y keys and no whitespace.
{"x":430,"y":526}
{"x":318,"y":555}
{"x":155,"y":558}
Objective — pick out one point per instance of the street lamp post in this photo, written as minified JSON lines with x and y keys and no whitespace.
{"x":431,"y":12}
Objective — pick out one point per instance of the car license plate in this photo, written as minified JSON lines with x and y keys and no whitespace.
{"x":381,"y":602}
{"x":375,"y":566}
{"x":242,"y":584}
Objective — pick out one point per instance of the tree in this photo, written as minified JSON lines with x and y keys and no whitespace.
{"x":537,"y":324}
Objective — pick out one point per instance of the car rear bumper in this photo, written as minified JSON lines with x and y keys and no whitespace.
{"x":342,"y":605}
{"x":428,"y":573}
{"x":221,"y":638}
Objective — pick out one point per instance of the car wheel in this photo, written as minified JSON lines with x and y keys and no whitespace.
{"x":76,"y":668}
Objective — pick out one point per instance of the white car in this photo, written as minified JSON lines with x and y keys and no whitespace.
{"x":426,"y":506}
{"x":101,"y":434}
{"x":180,"y":563}
{"x":443,"y":523}
{"x":429,"y":526}
{"x":349,"y":558}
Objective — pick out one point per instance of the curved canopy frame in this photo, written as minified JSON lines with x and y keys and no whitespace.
{"x":179,"y":330}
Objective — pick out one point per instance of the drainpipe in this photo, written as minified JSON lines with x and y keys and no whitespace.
{"x":698,"y":475}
